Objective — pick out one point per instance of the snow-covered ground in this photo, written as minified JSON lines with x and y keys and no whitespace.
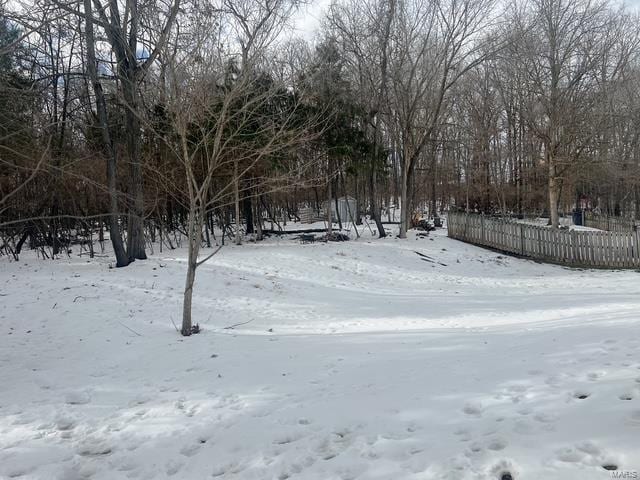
{"x":564,"y":222}
{"x":355,"y":360}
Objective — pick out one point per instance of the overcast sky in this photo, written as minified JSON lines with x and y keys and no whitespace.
{"x":308,"y":19}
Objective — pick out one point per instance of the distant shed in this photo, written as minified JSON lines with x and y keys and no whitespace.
{"x":347,"y":209}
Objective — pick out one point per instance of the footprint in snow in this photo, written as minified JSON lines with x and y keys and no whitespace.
{"x":588,"y":453}
{"x":473,"y":408}
{"x":545,"y":417}
{"x":590,"y":448}
{"x":64,"y":423}
{"x":94,"y":448}
{"x":190,"y":450}
{"x":78,"y":397}
{"x":475,"y":448}
{"x":570,"y":455}
{"x":555,"y":380}
{"x":140,"y":400}
{"x":173,"y":467}
{"x":596,"y":375}
{"x":232,"y":468}
{"x":497,"y":444}
{"x":286,"y":439}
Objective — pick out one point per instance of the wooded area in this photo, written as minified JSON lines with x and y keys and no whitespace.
{"x":152,"y":122}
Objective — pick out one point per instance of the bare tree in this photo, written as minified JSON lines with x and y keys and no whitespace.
{"x":364,"y":31}
{"x":229,"y":115}
{"x":435,"y":44}
{"x":564,"y":47}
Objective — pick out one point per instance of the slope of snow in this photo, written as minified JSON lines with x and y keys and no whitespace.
{"x":354,"y":360}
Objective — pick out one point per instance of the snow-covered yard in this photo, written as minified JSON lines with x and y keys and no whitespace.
{"x":355,"y":360}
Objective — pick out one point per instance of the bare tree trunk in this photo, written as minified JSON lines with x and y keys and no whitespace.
{"x":247,"y":206}
{"x":335,"y":201}
{"x":434,"y":179}
{"x":404,"y":201}
{"x":128,"y":65}
{"x":373,"y":180}
{"x":122,"y":258}
{"x":135,"y":230}
{"x":238,"y":239}
{"x":329,"y":198}
{"x":194,"y":232}
{"x":258,"y":215}
{"x":554,"y":192}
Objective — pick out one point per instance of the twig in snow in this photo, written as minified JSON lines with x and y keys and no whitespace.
{"x":79,"y":296}
{"x":130,"y":329}
{"x":427,"y":258}
{"x":231,"y":327}
{"x":174,"y":325}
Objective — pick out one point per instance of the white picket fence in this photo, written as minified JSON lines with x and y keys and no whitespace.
{"x":562,"y":246}
{"x":612,"y":224}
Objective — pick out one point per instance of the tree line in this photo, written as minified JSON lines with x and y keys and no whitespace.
{"x":159,"y":122}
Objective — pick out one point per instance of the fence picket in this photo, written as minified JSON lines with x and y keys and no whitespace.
{"x":618,"y":248}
